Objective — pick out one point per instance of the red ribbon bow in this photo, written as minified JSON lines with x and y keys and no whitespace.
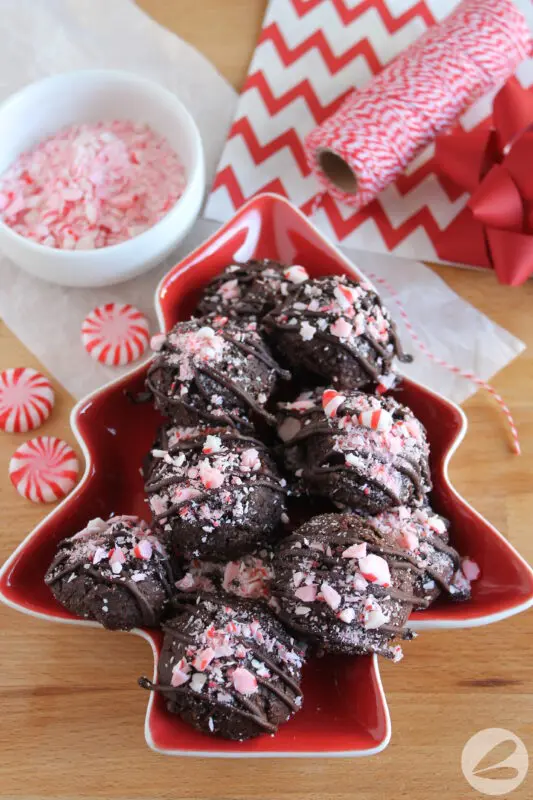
{"x":495,"y":165}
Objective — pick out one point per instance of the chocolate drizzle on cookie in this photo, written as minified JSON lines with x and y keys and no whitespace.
{"x":423,"y":535}
{"x":229,"y":669}
{"x":338,"y":329}
{"x":361,"y":450}
{"x":215,"y":493}
{"x":250,"y":290}
{"x":340,"y":585}
{"x":213,"y":372}
{"x":123,"y":555}
{"x":194,"y":447}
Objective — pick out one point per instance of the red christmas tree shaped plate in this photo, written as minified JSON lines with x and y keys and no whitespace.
{"x":345,"y":711}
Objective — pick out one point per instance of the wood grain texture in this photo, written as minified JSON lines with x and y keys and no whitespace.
{"x":71,"y":720}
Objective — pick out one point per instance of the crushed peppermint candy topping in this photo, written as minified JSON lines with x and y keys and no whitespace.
{"x":307,"y":331}
{"x":470,"y":569}
{"x":347,"y":615}
{"x":375,"y":570}
{"x":424,"y":535}
{"x":212,"y":444}
{"x":121,"y":547}
{"x":230,"y":290}
{"x":249,"y":576}
{"x":209,"y":486}
{"x":244,"y":681}
{"x":215,"y":366}
{"x":92,"y":186}
{"x":328,"y":578}
{"x":373,"y":616}
{"x":196,"y":347}
{"x":355,"y":551}
{"x":330,"y":595}
{"x":373,"y":433}
{"x":336,"y":307}
{"x":379,"y":420}
{"x":341,"y":328}
{"x":250,"y":460}
{"x":251,"y":289}
{"x":331,"y":401}
{"x":230,"y":652}
{"x":380,"y":440}
{"x":296,"y":274}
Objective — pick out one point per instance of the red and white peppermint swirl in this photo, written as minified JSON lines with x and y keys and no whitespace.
{"x":44,"y":469}
{"x":26,"y":399}
{"x":115,"y":334}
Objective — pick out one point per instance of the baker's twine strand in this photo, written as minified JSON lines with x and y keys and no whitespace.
{"x":470,"y":376}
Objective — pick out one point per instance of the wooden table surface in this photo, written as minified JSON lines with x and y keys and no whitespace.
{"x":71,"y":716}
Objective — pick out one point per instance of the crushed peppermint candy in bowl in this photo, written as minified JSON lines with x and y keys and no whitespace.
{"x":101,"y":176}
{"x":90,"y":186}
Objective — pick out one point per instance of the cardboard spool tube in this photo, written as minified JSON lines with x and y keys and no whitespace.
{"x":337,"y":171}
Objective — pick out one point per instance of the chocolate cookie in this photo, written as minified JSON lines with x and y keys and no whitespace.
{"x":338,"y":330}
{"x":424,"y":536}
{"x":229,"y":670}
{"x":360,"y":450}
{"x":249,"y":576}
{"x":341,"y":587}
{"x":215,"y":496}
{"x":115,"y":572}
{"x":215,"y":372}
{"x":292,"y":419}
{"x":250,"y":290}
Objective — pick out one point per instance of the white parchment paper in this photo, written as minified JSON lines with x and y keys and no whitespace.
{"x":41,"y":37}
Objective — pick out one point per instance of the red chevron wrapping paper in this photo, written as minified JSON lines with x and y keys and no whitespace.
{"x":379,"y":130}
{"x":310,"y":56}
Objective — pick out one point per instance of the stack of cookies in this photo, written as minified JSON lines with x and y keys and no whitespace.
{"x":289,"y":498}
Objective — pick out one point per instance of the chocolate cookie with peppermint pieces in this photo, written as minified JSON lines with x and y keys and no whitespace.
{"x":229,"y":668}
{"x":359,"y":450}
{"x":337,"y":329}
{"x":213,"y":371}
{"x":424,"y":536}
{"x":116,"y":572}
{"x":214,"y":496}
{"x":250,"y":290}
{"x":341,"y":587}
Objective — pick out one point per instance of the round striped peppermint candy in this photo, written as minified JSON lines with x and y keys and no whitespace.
{"x":44,"y":469}
{"x":115,"y":334}
{"x":26,"y":399}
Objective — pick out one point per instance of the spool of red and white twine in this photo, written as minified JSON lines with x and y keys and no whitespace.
{"x":369,"y":141}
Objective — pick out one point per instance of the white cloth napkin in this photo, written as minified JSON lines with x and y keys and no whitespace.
{"x":40,"y":37}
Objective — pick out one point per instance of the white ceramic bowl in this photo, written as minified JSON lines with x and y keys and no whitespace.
{"x":43,"y":108}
